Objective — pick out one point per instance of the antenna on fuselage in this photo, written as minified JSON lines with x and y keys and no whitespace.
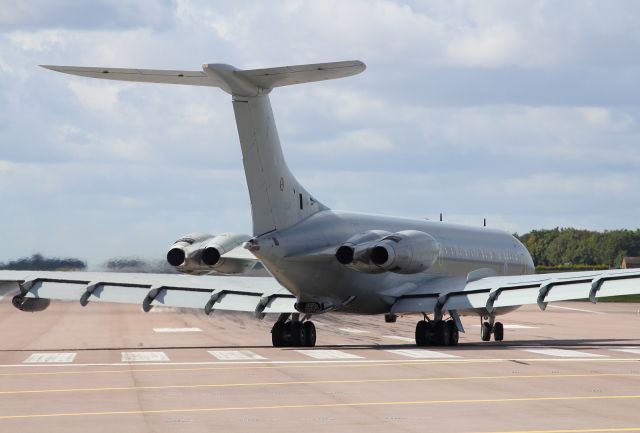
{"x":440,"y":216}
{"x":484,"y":224}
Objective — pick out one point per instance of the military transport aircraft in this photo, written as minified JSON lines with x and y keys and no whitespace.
{"x":321,"y":260}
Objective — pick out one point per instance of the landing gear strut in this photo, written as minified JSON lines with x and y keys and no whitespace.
{"x":293,"y":333}
{"x":491,"y":327}
{"x":436,"y":333}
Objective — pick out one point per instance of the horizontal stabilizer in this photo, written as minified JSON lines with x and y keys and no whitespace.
{"x":250,"y":82}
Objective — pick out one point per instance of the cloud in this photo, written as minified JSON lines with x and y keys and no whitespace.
{"x":97,"y":96}
{"x":525,"y":113}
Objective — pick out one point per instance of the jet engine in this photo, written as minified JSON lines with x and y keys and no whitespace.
{"x":355,"y":253}
{"x":405,"y":252}
{"x":199,"y":254}
{"x":376,"y":251}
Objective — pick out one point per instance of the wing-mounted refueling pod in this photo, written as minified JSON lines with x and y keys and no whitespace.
{"x":376,"y":251}
{"x":199,"y":254}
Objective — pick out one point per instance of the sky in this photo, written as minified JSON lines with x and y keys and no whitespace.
{"x":522,"y":112}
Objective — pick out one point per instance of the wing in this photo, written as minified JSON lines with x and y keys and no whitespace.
{"x":260,"y":295}
{"x":509,"y":291}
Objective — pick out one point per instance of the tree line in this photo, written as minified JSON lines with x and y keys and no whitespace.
{"x":554,"y":248}
{"x":573,"y":247}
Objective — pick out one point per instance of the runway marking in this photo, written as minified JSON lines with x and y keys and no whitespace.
{"x":578,"y":430}
{"x":266,"y":365}
{"x":50,"y":357}
{"x":514,"y":326}
{"x":322,"y":405}
{"x":576,"y":309}
{"x":353,"y":331}
{"x":634,"y":350}
{"x":328,"y":354}
{"x":397,"y":337}
{"x":235,"y":355}
{"x":144,"y":357}
{"x":422,"y":353}
{"x":169,"y":330}
{"x":563,"y":353}
{"x":322,"y":382}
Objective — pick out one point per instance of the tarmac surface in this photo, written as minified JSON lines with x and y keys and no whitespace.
{"x":112,"y":368}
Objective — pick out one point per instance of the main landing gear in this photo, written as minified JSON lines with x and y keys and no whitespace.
{"x":294,"y":332}
{"x":491,"y":327}
{"x":436,"y":333}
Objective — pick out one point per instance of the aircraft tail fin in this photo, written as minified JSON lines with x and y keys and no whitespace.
{"x":278,"y":200}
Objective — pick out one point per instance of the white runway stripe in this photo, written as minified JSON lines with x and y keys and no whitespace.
{"x":328,"y":354}
{"x":399,"y":338}
{"x":168,"y":330}
{"x":422,"y":353}
{"x":144,"y":356}
{"x":563,"y":353}
{"x":515,"y":326}
{"x":575,"y":309}
{"x":50,"y":357}
{"x":235,"y":355}
{"x":353,"y":331}
{"x":634,"y":350}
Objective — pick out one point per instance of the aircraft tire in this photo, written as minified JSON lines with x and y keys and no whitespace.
{"x":454,"y":334}
{"x":421,"y":333}
{"x":441,"y":333}
{"x":277,"y":337}
{"x":498,"y":331}
{"x":298,"y":337}
{"x":309,"y":334}
{"x":485,"y":331}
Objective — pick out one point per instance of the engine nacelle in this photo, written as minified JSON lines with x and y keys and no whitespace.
{"x":355,"y":253}
{"x":199,"y":254}
{"x":405,"y":252}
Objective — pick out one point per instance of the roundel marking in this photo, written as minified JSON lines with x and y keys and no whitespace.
{"x":281,"y":183}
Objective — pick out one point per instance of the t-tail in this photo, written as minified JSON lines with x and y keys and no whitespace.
{"x":278,"y":200}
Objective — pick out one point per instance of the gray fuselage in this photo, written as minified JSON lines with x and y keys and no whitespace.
{"x":301,"y":258}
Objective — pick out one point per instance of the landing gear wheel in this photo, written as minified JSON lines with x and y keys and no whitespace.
{"x":441,"y":333}
{"x":421,"y":333}
{"x":277,"y":337}
{"x":454,"y":334}
{"x":309,"y":334}
{"x":485,"y":331}
{"x":298,"y":337}
{"x":498,"y":331}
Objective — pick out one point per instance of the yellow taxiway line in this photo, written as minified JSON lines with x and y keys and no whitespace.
{"x":321,"y":405}
{"x":317,"y":382}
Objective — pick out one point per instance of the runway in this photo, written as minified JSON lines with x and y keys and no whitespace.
{"x":106,"y":368}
